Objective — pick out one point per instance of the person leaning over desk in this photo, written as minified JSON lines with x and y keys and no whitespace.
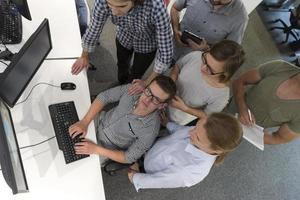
{"x":272,"y":101}
{"x":128,"y":130}
{"x":202,"y":80}
{"x":212,"y":20}
{"x":185,"y":157}
{"x":143,"y":28}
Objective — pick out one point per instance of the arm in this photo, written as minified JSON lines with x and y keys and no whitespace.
{"x":164,"y":40}
{"x":178,"y":103}
{"x":108,"y":96}
{"x":250,"y":77}
{"x":89,"y":147}
{"x":283,"y":135}
{"x":91,"y":37}
{"x":172,"y":177}
{"x":81,"y":126}
{"x":175,"y":24}
{"x":174,"y":73}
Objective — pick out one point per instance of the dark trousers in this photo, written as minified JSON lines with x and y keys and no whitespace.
{"x":141,"y":62}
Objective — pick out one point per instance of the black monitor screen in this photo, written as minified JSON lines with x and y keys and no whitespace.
{"x":10,"y":158}
{"x":25,"y":64}
{"x":22,"y":8}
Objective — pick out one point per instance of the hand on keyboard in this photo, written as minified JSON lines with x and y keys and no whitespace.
{"x":77,"y":129}
{"x":86,"y":147}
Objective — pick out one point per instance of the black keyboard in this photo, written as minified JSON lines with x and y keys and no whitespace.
{"x":10,"y":23}
{"x":64,"y":115}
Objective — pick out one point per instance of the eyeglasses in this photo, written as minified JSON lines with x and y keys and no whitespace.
{"x":209,"y":68}
{"x":155,"y":100}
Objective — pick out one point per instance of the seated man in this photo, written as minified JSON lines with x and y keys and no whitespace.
{"x":273,"y":101}
{"x":185,"y":158}
{"x":127,"y":131}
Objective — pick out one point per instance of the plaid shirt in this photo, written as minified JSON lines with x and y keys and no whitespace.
{"x":144,"y":29}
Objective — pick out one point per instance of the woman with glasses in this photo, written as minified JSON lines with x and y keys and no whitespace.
{"x":202,"y":79}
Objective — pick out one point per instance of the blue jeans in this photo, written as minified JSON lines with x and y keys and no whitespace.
{"x":82,"y":13}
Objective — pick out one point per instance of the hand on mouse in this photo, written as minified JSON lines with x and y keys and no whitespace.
{"x":78,"y":128}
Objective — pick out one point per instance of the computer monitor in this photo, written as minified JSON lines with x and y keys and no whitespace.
{"x":10,"y":157}
{"x":25,"y":64}
{"x":23,"y":8}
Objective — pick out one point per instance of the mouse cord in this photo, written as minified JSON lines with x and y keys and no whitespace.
{"x":41,"y":83}
{"x":37,"y":143}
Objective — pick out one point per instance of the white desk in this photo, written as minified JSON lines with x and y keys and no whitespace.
{"x":64,"y":27}
{"x":48,"y":176}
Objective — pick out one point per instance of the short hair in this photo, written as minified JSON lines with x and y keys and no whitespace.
{"x":167,"y":85}
{"x":232,"y":54}
{"x":224,"y":133}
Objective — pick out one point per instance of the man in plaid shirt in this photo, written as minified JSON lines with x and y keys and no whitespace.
{"x":143,"y":28}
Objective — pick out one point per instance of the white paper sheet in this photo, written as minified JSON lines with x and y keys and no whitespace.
{"x":255,"y":135}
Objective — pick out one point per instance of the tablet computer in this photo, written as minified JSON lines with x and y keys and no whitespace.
{"x":189,"y":35}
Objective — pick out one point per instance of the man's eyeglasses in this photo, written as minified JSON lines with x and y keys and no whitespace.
{"x":155,"y":100}
{"x":209,"y":68}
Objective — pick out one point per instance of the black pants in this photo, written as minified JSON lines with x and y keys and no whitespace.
{"x":141,"y":63}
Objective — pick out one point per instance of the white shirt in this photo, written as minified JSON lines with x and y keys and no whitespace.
{"x":174,"y":162}
{"x":194,"y":90}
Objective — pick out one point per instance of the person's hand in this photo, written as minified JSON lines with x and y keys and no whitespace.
{"x":133,"y":169}
{"x":244,"y":117}
{"x":196,"y":47}
{"x":78,"y":128}
{"x":163,"y":118}
{"x":137,"y":86}
{"x":178,"y":103}
{"x":86,"y":147}
{"x":79,"y":65}
{"x":177,"y":36}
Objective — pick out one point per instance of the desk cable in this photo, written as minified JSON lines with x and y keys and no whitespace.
{"x":4,"y":63}
{"x":41,"y":83}
{"x":37,"y":143}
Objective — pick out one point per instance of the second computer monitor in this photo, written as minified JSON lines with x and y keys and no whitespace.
{"x":23,"y":9}
{"x":25,"y":64}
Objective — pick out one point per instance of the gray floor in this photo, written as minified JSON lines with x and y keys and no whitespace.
{"x":247,"y":174}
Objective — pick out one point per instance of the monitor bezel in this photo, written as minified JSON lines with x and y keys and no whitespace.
{"x":18,"y":56}
{"x":14,"y":187}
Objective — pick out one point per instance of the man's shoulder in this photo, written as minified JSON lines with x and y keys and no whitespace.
{"x":239,"y":9}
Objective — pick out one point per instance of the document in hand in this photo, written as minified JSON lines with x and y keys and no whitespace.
{"x":255,"y":135}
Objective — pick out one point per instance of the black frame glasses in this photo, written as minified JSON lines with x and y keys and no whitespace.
{"x":154,"y":99}
{"x":204,"y":60}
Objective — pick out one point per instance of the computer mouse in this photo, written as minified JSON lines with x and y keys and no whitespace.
{"x":68,"y":86}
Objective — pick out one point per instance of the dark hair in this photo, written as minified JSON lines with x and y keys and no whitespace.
{"x":166,"y":84}
{"x":231,"y":53}
{"x":224,"y":133}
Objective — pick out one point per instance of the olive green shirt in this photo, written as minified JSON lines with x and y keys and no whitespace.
{"x":268,"y":109}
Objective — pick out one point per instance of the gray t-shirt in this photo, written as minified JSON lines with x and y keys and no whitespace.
{"x":120,"y":129}
{"x":229,"y":22}
{"x":194,"y":90}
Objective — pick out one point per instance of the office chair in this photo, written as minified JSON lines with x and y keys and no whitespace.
{"x":288,"y":30}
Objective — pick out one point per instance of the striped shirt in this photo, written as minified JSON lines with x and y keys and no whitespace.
{"x":144,"y":29}
{"x":122,"y":130}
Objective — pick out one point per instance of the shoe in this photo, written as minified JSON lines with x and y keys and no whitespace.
{"x":111,"y":167}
